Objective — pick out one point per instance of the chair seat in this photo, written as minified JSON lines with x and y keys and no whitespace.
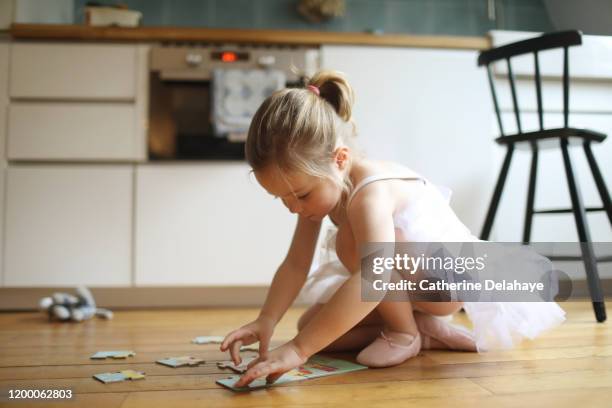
{"x":546,"y":139}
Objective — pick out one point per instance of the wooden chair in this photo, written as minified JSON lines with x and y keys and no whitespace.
{"x":546,"y":138}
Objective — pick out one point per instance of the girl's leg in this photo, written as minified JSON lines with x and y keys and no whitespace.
{"x":355,"y":339}
{"x":438,"y":308}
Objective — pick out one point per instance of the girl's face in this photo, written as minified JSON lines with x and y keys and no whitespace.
{"x":306,"y":195}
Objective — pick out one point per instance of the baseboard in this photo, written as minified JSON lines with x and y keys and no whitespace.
{"x":21,"y":298}
{"x":12,"y":299}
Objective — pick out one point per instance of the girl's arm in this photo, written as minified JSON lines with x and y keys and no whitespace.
{"x":371,"y":219}
{"x":292,"y":272}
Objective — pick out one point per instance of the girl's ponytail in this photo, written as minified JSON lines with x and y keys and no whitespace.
{"x":335,"y":89}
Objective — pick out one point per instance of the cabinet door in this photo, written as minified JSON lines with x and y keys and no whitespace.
{"x":73,"y":71}
{"x":207,"y":224}
{"x":68,"y":225}
{"x":73,"y":131}
{"x":428,"y":109}
{"x":4,"y":64}
{"x":552,"y":190}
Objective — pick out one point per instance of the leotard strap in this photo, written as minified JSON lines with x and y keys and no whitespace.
{"x":377,"y":177}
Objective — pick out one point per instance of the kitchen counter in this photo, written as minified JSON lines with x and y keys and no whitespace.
{"x":245,"y":36}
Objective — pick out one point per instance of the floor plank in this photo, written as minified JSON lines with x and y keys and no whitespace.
{"x":569,"y":366}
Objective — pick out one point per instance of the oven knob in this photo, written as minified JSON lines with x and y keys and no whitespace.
{"x":193,"y":59}
{"x":266,"y":60}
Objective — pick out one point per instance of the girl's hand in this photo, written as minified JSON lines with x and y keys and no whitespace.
{"x":260,"y":330}
{"x":276,"y":363}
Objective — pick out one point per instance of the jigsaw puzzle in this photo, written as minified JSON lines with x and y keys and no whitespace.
{"x":241,"y":368}
{"x":120,"y":376}
{"x":219,"y":340}
{"x":101,"y":355}
{"x":181,"y":361}
{"x":315,"y":367}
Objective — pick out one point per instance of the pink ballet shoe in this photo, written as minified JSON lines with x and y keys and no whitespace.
{"x":390,"y":349}
{"x":439,"y":335}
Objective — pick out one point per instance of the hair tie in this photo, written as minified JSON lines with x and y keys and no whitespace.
{"x":314,"y":89}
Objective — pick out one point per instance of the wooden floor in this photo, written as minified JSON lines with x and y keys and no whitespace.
{"x":569,"y":367}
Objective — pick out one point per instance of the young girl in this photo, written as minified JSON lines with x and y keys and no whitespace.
{"x":300,"y":148}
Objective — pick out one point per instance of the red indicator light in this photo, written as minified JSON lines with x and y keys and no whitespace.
{"x":229,"y":57}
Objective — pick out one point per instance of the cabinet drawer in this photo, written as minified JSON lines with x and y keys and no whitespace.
{"x":86,"y":71}
{"x":70,"y":131}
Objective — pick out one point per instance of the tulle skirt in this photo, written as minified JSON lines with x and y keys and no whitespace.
{"x":495,"y":325}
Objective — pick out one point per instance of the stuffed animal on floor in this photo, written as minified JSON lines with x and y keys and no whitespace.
{"x":64,"y":306}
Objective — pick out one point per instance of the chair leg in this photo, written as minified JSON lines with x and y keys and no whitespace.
{"x":599,"y":181}
{"x":499,"y":187}
{"x":530,"y":194}
{"x":588,"y":255}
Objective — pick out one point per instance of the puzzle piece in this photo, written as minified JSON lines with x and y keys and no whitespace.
{"x":316,"y":366}
{"x":181,"y":361}
{"x":208,"y":340}
{"x":120,"y":376}
{"x":219,"y":340}
{"x":250,"y":348}
{"x":101,"y":355}
{"x":241,"y":368}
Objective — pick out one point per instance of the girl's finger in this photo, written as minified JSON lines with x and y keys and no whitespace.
{"x":263,"y":346}
{"x":235,"y":351}
{"x":229,"y":339}
{"x":271,"y":379}
{"x":252,"y":363}
{"x":252,"y":374}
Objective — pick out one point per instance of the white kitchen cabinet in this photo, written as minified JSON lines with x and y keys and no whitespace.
{"x":207,"y":224}
{"x":68,"y":225}
{"x":590,"y":107}
{"x":78,"y":102}
{"x":4,"y":64}
{"x":551,"y":185}
{"x":72,"y":131}
{"x":73,"y":71}
{"x":428,"y":109}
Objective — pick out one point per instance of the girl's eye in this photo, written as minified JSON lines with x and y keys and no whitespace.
{"x":303,"y":196}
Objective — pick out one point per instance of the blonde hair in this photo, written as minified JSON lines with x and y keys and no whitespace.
{"x":298,"y":129}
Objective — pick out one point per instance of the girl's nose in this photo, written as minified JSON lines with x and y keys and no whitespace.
{"x":293,"y":206}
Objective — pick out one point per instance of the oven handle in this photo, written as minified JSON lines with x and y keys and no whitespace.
{"x":170,"y":75}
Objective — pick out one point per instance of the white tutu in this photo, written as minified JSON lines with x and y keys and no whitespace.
{"x":496,"y":325}
{"x":502,"y":325}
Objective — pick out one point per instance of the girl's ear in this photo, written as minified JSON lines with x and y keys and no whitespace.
{"x":341,"y":157}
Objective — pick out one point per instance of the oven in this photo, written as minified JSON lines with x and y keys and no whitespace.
{"x":187,"y":97}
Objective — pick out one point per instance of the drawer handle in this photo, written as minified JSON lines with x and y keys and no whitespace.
{"x":193,"y":59}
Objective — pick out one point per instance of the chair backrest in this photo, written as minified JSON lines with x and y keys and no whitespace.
{"x":562,"y":39}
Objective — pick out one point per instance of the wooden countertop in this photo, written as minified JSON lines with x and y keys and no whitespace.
{"x":289,"y":37}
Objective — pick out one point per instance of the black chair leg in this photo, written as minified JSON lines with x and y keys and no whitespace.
{"x":530,"y":194}
{"x":499,"y":187}
{"x":599,"y":181}
{"x":588,"y":255}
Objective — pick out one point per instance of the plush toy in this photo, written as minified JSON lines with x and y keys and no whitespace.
{"x":64,"y":306}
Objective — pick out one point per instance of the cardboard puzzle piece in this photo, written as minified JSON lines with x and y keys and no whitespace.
{"x":250,"y":348}
{"x":101,"y":355}
{"x":219,"y":340}
{"x":241,"y":368}
{"x":208,"y":340}
{"x":120,"y":376}
{"x":181,"y":361}
{"x":317,"y":366}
